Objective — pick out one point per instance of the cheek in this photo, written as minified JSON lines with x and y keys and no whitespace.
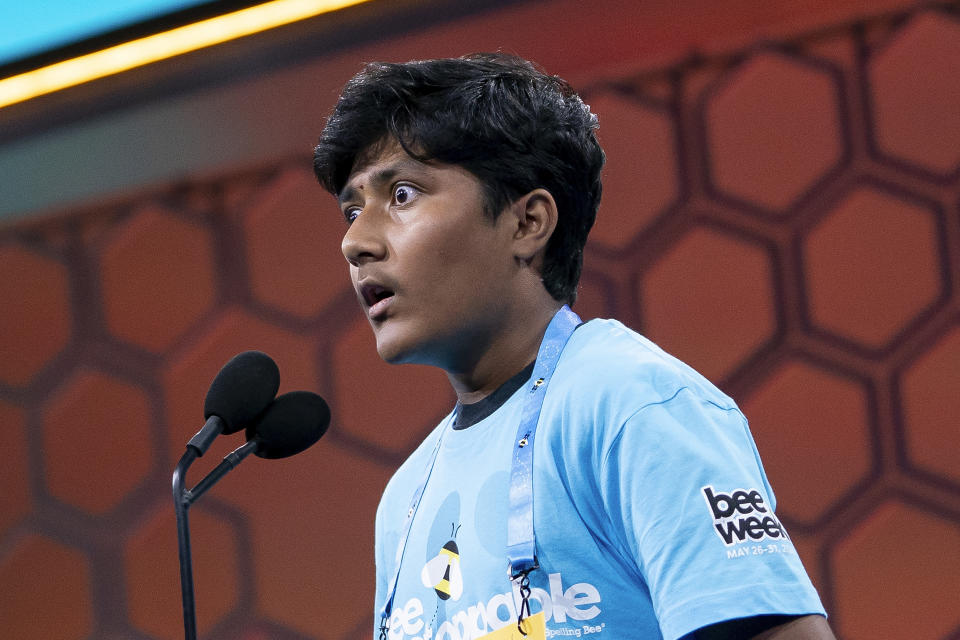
{"x":447,"y":258}
{"x":451,"y":256}
{"x":438,"y":249}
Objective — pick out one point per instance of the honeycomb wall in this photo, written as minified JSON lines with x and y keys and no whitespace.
{"x":785,"y":218}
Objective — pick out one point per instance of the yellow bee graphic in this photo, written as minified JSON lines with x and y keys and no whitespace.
{"x":442,"y":572}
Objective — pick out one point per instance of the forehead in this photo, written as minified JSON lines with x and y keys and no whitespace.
{"x":373,"y":159}
{"x":376,"y":152}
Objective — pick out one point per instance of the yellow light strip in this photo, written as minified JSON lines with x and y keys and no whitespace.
{"x":160,"y":46}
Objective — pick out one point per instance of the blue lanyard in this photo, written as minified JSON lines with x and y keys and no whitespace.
{"x":520,"y":539}
{"x":521,"y":543}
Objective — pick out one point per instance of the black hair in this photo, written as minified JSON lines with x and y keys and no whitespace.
{"x":496,"y":115}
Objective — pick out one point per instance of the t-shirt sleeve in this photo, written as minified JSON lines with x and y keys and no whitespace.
{"x":684,"y":480}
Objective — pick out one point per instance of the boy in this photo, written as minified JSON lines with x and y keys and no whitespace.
{"x":586,"y":483}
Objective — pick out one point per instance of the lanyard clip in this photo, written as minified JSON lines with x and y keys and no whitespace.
{"x":522,"y":578}
{"x":384,"y":627}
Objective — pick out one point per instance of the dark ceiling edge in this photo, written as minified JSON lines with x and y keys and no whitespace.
{"x":239,"y":59}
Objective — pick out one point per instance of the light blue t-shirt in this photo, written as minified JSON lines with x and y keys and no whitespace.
{"x":652,"y":513}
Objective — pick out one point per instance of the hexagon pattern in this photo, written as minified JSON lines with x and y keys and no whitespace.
{"x":700,"y":280}
{"x":784,"y":219}
{"x":915,"y":112}
{"x":898,"y":575}
{"x":774,"y":130}
{"x":105,"y":422}
{"x":46,"y":590}
{"x":35,"y":324}
{"x":635,"y":190}
{"x":150,"y":558}
{"x":14,"y":473}
{"x":812,"y":427}
{"x":930,"y":408}
{"x":159,"y":278}
{"x":872,"y":266}
{"x":293,"y":246}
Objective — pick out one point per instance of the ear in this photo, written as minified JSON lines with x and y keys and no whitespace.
{"x":535,"y":218}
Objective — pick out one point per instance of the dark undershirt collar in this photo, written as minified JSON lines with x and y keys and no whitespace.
{"x":470,"y":414}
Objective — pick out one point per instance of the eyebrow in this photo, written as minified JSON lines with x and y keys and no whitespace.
{"x":379,"y":178}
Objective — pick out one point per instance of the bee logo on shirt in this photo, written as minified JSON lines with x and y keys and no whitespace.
{"x":442,"y":572}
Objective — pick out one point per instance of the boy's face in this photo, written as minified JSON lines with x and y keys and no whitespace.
{"x":431,"y":270}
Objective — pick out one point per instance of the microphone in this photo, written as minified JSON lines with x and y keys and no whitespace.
{"x":291,"y":424}
{"x":240,"y":392}
{"x":275,"y":428}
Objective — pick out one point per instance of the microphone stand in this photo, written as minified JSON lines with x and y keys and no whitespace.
{"x":183,"y":498}
{"x":181,"y":504}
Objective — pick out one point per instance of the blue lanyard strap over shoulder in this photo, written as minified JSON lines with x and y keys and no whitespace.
{"x":521,"y":543}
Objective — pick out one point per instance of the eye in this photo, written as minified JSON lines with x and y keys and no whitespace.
{"x":404,"y":193}
{"x":351,"y":213}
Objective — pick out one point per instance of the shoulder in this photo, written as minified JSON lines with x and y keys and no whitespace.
{"x":608,"y":363}
{"x":616,"y":390}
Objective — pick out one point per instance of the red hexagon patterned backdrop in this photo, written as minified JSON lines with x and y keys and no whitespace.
{"x":786,"y":219}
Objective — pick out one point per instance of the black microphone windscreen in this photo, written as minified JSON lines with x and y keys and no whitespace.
{"x":242,"y":390}
{"x":291,"y":424}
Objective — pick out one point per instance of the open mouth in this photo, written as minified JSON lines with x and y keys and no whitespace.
{"x":374,"y":293}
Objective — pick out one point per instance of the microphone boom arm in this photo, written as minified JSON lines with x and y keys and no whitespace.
{"x":230,"y":461}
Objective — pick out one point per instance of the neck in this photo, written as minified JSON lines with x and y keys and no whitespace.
{"x":513,"y":346}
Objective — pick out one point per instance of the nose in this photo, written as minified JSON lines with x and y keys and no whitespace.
{"x":363,"y":242}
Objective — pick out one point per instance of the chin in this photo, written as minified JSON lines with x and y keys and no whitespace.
{"x":387,"y":351}
{"x":392,"y":348}
{"x":390,"y":357}
{"x":395,"y":347}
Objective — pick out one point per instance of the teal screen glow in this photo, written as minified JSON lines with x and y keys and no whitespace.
{"x":32,"y":27}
